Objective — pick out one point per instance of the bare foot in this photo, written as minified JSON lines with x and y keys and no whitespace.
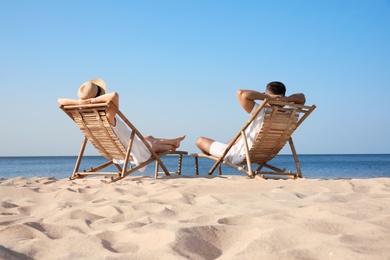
{"x":178,"y":140}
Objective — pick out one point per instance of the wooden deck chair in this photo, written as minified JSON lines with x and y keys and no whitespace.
{"x":93,"y":122}
{"x":280,"y":121}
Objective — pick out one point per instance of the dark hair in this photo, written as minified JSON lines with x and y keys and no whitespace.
{"x":277,"y":88}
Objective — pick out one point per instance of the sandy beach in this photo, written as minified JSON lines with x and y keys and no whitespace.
{"x":199,"y":217}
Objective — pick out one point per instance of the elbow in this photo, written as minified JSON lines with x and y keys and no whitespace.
{"x":115,"y":98}
{"x":115,"y":95}
{"x":243,"y":94}
{"x":112,"y":96}
{"x":240,"y":93}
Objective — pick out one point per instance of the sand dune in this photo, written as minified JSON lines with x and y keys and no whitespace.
{"x":228,"y":217}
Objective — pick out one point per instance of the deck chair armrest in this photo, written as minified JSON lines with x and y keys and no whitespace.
{"x":94,"y":105}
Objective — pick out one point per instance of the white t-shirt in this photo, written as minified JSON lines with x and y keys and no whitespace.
{"x":139,"y":151}
{"x":236,"y":153}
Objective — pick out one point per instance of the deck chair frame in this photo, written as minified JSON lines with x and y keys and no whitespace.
{"x":93,"y":122}
{"x":283,"y":119}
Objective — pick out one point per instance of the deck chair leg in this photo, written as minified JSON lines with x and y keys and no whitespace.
{"x":258,"y":169}
{"x":297,"y":164}
{"x":125,"y":165}
{"x":156,"y":170}
{"x":214,"y":167}
{"x":179,"y":166}
{"x":79,"y":158}
{"x":180,"y":163}
{"x":118,"y":167}
{"x":121,"y":175}
{"x":248,"y":158}
{"x":196,"y":165}
{"x":163,"y":167}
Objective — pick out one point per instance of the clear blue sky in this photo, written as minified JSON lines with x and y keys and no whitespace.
{"x":177,"y":66}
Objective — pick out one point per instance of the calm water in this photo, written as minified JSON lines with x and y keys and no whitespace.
{"x":313,"y":166}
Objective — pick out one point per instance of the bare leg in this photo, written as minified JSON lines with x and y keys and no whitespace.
{"x":158,"y":148}
{"x":175,"y":142}
{"x":164,"y":144}
{"x":204,"y":143}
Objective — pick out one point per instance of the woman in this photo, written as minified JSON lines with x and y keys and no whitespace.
{"x":94,"y":91}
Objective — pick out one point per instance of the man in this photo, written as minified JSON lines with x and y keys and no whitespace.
{"x":274,"y":91}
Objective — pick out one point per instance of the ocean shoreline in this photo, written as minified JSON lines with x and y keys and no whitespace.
{"x":313,"y":166}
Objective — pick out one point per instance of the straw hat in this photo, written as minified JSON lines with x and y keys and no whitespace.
{"x":92,"y":88}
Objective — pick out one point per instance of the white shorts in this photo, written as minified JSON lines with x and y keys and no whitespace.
{"x":235,"y":154}
{"x":217,"y":148}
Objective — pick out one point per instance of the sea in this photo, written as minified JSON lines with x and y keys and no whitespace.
{"x":338,"y":166}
